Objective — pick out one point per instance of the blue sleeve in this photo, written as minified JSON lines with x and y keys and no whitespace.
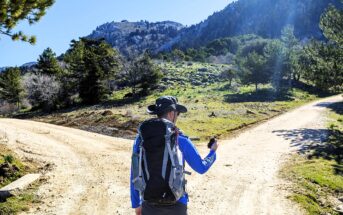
{"x":135,"y":198}
{"x":192,"y":157}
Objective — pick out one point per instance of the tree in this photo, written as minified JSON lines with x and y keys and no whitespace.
{"x":322,"y":62}
{"x":291,"y":54}
{"x":322,"y":65}
{"x":253,"y":70}
{"x":12,"y":12}
{"x":92,"y":63}
{"x":75,"y":69}
{"x":274,"y":54}
{"x":228,"y":74}
{"x":144,"y":74}
{"x":47,"y":63}
{"x":10,"y":86}
{"x":331,"y":23}
{"x":42,"y":90}
{"x":178,"y":55}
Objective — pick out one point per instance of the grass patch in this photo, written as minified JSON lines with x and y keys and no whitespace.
{"x":18,"y":169}
{"x":11,"y":169}
{"x":317,"y":174}
{"x":20,"y":203}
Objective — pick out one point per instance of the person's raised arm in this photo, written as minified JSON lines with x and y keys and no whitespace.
{"x":193,"y":157}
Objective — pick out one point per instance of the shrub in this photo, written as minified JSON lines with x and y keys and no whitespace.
{"x":9,"y":159}
{"x":42,"y":90}
{"x":7,"y":108}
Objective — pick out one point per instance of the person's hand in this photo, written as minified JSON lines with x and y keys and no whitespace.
{"x":214,"y":146}
{"x":138,"y":210}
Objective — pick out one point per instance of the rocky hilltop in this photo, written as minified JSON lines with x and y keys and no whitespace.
{"x":133,"y":38}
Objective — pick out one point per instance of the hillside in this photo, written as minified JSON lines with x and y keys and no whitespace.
{"x":265,"y":18}
{"x":132,"y":38}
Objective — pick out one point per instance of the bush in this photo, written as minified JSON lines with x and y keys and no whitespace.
{"x":9,"y":159}
{"x":7,"y":108}
{"x":42,"y":90}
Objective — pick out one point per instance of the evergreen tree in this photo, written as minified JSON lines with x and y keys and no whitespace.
{"x":291,"y":54}
{"x":74,"y":58}
{"x":12,"y":12}
{"x":274,"y":53}
{"x":253,"y":70}
{"x":178,"y":55}
{"x":48,"y":64}
{"x":229,"y":75}
{"x":322,"y":62}
{"x":147,"y":74}
{"x":92,"y":63}
{"x":331,"y":23}
{"x":322,"y":65}
{"x":11,"y":88}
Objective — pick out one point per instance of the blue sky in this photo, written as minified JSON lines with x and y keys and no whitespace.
{"x":71,"y":19}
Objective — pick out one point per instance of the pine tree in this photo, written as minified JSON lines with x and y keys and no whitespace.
{"x":291,"y":53}
{"x":149,"y":74}
{"x":48,"y":64}
{"x":322,"y":62}
{"x":331,"y":23}
{"x":11,"y":88}
{"x":92,"y":63}
{"x":253,"y":70}
{"x":12,"y":12}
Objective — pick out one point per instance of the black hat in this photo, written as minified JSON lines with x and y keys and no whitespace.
{"x":165,"y":104}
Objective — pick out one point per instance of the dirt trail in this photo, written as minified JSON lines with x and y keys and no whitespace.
{"x":90,"y":172}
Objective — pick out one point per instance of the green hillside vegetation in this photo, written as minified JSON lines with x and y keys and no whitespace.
{"x":317,"y":174}
{"x":215,"y":108}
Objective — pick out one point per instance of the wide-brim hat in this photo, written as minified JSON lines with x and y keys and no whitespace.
{"x":165,"y":104}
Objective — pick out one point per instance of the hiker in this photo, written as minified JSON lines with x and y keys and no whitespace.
{"x":157,"y":181}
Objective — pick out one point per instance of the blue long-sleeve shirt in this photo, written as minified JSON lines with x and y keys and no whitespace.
{"x":192,"y":157}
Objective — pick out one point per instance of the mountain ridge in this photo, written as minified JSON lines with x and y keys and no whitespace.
{"x":265,"y":18}
{"x":134,"y":38}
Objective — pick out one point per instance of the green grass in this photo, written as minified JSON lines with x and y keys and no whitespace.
{"x":321,"y":172}
{"x":24,"y":201}
{"x":20,"y":203}
{"x":319,"y":179}
{"x":7,"y":156}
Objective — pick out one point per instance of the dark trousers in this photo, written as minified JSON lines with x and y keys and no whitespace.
{"x":151,"y":209}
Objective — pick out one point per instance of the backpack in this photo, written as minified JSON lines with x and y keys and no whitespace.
{"x":158,"y":167}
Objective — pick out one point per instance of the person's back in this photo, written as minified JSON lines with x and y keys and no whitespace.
{"x":157,"y":183}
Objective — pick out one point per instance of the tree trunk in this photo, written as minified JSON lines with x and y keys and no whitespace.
{"x":256,"y":86}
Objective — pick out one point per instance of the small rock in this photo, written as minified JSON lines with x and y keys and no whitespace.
{"x":107,"y":113}
{"x":212,"y":115}
{"x":250,"y":112}
{"x":339,"y":209}
{"x":195,"y":138}
{"x":128,"y":95}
